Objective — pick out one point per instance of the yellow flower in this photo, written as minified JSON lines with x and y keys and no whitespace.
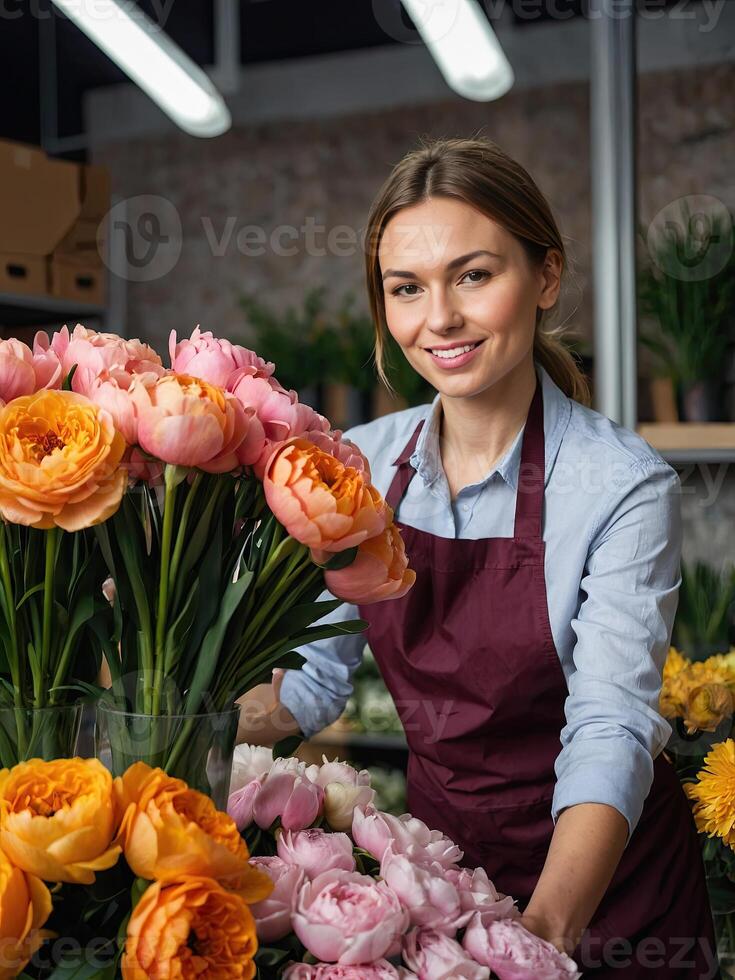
{"x":714,"y":793}
{"x":25,"y":905}
{"x":57,"y":819}
{"x":675,"y":662}
{"x":168,"y":830}
{"x":699,"y":692}
{"x":707,"y":706}
{"x":187,"y":929}
{"x":59,"y":461}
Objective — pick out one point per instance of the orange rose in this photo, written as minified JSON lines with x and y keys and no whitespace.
{"x":25,"y":905}
{"x":168,"y":830}
{"x":321,"y":502}
{"x":380,"y":571}
{"x":59,"y":461}
{"x":190,"y":928}
{"x":56,"y":819}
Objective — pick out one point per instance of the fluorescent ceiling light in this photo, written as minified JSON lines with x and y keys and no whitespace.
{"x":464,"y":46}
{"x":151,"y":59}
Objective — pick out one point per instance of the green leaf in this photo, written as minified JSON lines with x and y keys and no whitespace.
{"x":287,"y":746}
{"x":28,"y":594}
{"x":179,"y":629}
{"x":66,"y":385}
{"x":340,"y":559}
{"x":212,"y":643}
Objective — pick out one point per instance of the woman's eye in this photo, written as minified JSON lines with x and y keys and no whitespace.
{"x":406,"y":285}
{"x":483,"y":274}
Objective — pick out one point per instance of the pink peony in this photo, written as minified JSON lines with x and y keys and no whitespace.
{"x":94,"y":353}
{"x":249,"y":762}
{"x":434,"y":956}
{"x":380,"y":970}
{"x":211,"y":359}
{"x":287,"y":793}
{"x":22,"y":373}
{"x":273,"y":915}
{"x":188,"y":422}
{"x":374,"y":831}
{"x":431,"y":901}
{"x":344,"y":789}
{"x":478,"y":894}
{"x":315,"y":850}
{"x":241,"y":802}
{"x":514,"y":953}
{"x":348,"y":918}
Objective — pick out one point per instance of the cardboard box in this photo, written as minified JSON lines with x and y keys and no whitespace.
{"x":73,"y":280}
{"x":84,"y":243}
{"x":26,"y":274}
{"x":39,"y":199}
{"x":95,"y":192}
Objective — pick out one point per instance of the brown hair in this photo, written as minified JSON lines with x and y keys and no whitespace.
{"x":482,"y":175}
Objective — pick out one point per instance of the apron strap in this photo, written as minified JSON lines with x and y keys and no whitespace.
{"x":405,"y":472}
{"x":531,"y":472}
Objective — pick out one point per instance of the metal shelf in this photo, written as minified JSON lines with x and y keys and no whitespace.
{"x":28,"y":311}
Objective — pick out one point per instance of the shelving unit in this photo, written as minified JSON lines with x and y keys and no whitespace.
{"x":17,"y":310}
{"x":362,"y":747}
{"x":691,"y":442}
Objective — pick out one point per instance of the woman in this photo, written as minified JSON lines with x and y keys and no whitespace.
{"x":526,"y":660}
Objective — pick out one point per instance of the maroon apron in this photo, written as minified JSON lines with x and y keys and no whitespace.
{"x":469,"y":658}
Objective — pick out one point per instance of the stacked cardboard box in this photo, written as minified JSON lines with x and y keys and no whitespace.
{"x":51,"y":216}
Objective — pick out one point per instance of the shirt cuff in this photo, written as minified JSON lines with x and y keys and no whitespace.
{"x":619,"y":773}
{"x":309,"y":709}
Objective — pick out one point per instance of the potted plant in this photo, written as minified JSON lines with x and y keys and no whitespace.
{"x":691,"y":300}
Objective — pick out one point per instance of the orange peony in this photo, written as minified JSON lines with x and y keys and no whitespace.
{"x":321,"y":502}
{"x":380,"y":571}
{"x":57,"y":819}
{"x":190,"y":928}
{"x":59,"y":461}
{"x":25,"y":905}
{"x":168,"y":830}
{"x":186,"y":421}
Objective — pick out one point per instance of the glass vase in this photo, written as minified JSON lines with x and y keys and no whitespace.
{"x":195,"y":748}
{"x":39,"y":733}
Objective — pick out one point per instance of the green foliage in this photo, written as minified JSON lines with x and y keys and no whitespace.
{"x":704,"y":618}
{"x":312,"y":345}
{"x":692,"y":315}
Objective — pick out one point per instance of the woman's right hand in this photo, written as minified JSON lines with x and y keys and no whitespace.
{"x":263,"y":719}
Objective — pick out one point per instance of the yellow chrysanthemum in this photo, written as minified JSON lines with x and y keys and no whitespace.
{"x":702,"y":693}
{"x":675,"y":662}
{"x":714,"y":793}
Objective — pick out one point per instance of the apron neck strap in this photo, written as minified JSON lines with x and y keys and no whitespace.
{"x":531,"y":472}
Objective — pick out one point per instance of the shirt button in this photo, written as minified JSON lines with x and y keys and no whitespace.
{"x":465,"y":506}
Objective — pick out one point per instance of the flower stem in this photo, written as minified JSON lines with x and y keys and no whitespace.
{"x":169,"y":505}
{"x":48,"y":604}
{"x":7,"y":584}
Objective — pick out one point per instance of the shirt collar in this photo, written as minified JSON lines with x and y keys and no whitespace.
{"x":426,"y":457}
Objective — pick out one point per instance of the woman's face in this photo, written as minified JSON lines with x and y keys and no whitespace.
{"x":453,"y":277}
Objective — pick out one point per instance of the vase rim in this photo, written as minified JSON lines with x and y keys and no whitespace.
{"x":111,"y":709}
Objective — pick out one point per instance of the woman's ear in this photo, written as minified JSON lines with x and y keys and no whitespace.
{"x":551,"y":271}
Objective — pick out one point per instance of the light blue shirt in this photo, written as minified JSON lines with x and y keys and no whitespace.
{"x":612,"y":527}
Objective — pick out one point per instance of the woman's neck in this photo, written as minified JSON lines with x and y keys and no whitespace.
{"x":476,"y":432}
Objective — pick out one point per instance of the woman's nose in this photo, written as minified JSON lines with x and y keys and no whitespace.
{"x":442,"y":313}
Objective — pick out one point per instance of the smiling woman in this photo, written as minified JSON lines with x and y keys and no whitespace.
{"x":526,"y":659}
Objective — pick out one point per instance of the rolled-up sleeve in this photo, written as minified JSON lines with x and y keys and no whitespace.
{"x":317,"y":693}
{"x":613,"y":728}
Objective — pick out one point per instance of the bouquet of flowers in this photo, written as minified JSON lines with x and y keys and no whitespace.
{"x":366,"y":895}
{"x":147,"y":878}
{"x":217,"y":507}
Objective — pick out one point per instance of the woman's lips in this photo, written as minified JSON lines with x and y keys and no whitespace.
{"x":451,"y":363}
